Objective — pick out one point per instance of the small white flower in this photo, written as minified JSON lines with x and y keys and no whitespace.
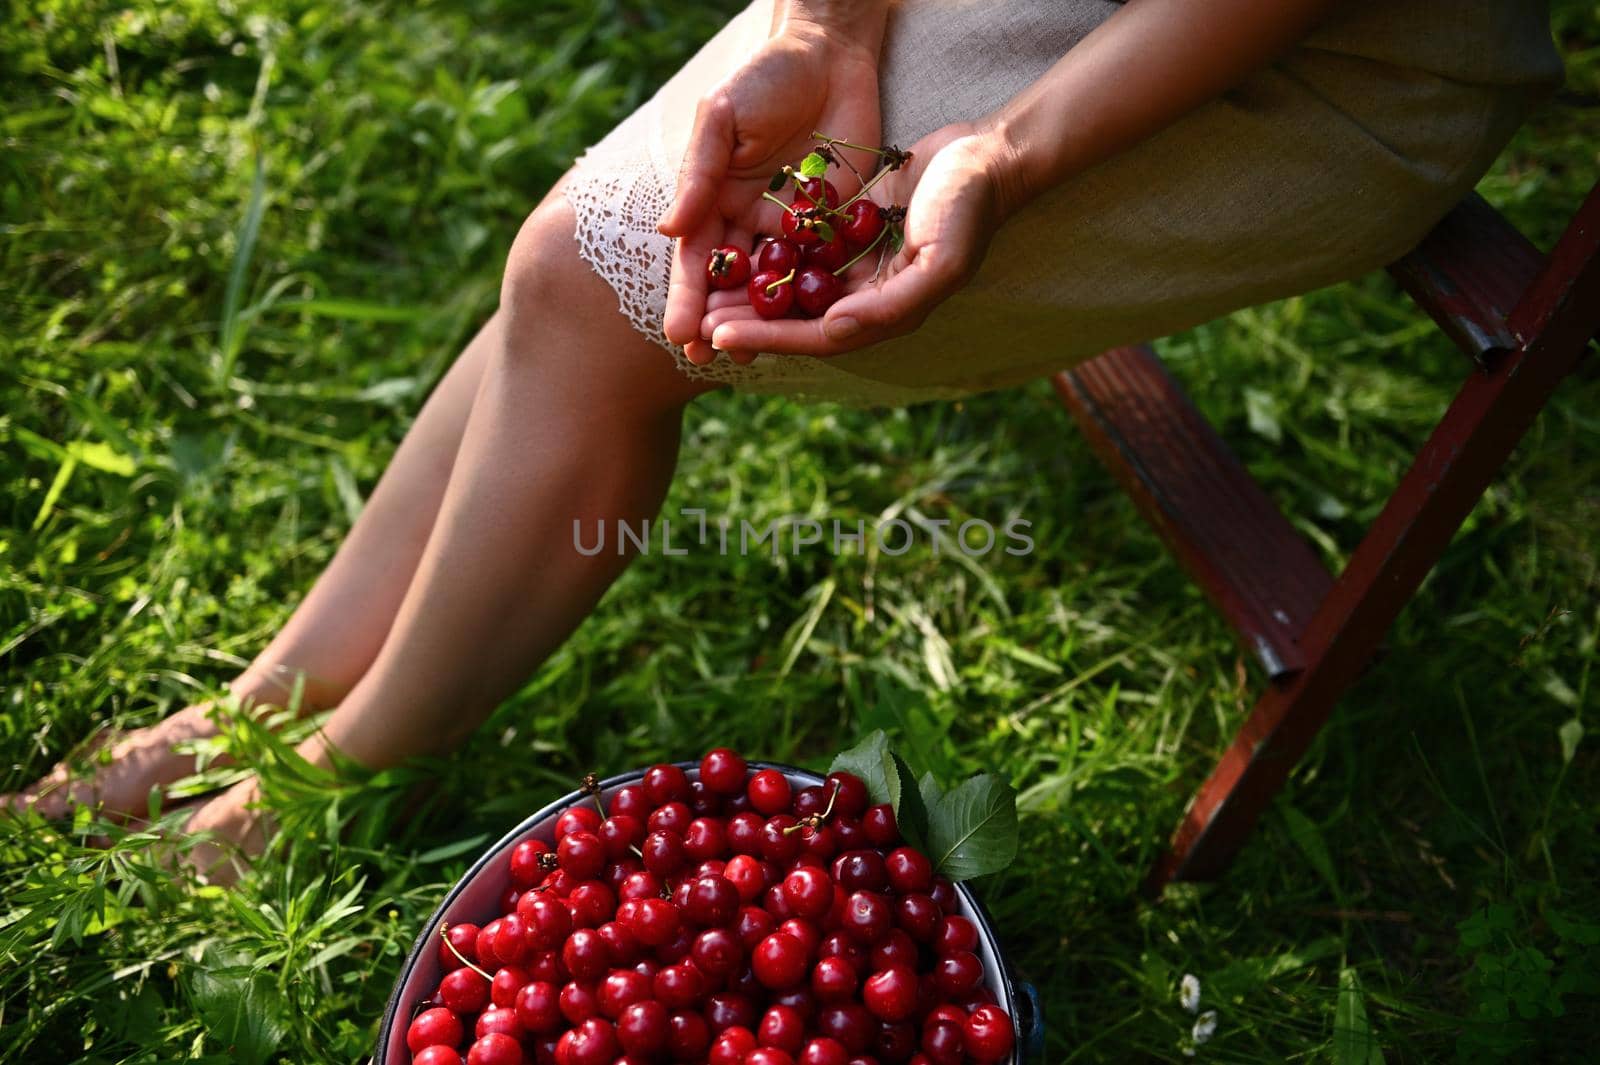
{"x":1189,"y":992}
{"x":1205,"y":1026}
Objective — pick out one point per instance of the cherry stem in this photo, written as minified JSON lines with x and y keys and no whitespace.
{"x":862,"y":253}
{"x":879,"y":176}
{"x":784,"y":280}
{"x":831,"y":141}
{"x":591,"y":785}
{"x":815,"y":821}
{"x":444,"y":933}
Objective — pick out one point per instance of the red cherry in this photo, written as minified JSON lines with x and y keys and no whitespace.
{"x":578,"y":1002}
{"x":779,"y":961}
{"x":705,"y":839}
{"x":435,"y":1027}
{"x":817,"y":190}
{"x":622,"y":988}
{"x":437,"y":1055}
{"x":826,"y":255}
{"x":779,"y":256}
{"x":824,"y":1052}
{"x":868,"y":916}
{"x":592,"y":904}
{"x":744,"y":833}
{"x":666,"y":783}
{"x":879,"y":825}
{"x":850,"y":1023}
{"x":944,"y":893}
{"x":746,"y":876}
{"x":918,"y":915}
{"x":753,"y":925}
{"x":863,"y":221}
{"x":654,"y":922}
{"x":768,"y":1056}
{"x":944,"y":1042}
{"x":671,"y":817}
{"x":464,"y":938}
{"x":808,"y":891}
{"x":688,"y":1036}
{"x":812,"y":800}
{"x":731,"y":1045}
{"x":956,"y":933}
{"x":896,"y":948}
{"x":729,"y":1009}
{"x":723,"y":771}
{"x":680,"y":986}
{"x":769,"y":790}
{"x":498,"y":1019}
{"x":861,"y":870}
{"x":727,"y":267}
{"x":464,"y":991}
{"x":771,"y":293}
{"x":538,"y":1007}
{"x":712,"y":900}
{"x":642,"y":1028}
{"x":717,"y":952}
{"x":547,"y":921}
{"x":833,"y":979}
{"x":958,"y":974}
{"x":506,"y":983}
{"x":892,"y":994}
{"x":799,"y":225}
{"x":803,"y":931}
{"x":630,"y":799}
{"x":782,"y":1027}
{"x":663,"y":853}
{"x":496,"y":1048}
{"x":585,"y":954}
{"x":909,"y":870}
{"x":524,"y":863}
{"x":619,"y":832}
{"x":596,"y":1043}
{"x":989,"y":1036}
{"x":577,"y":819}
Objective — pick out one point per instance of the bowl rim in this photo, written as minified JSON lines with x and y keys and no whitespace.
{"x":1009,"y":996}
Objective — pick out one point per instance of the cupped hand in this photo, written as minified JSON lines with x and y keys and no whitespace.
{"x":759,"y":118}
{"x":953,"y":208}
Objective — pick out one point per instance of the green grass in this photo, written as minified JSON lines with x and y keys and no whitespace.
{"x":240,"y":242}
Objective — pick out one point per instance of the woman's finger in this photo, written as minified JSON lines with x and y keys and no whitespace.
{"x":705,"y":166}
{"x":899,"y":304}
{"x":686,"y":291}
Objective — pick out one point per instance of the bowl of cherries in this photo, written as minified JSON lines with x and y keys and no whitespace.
{"x":800,"y":272}
{"x":726,"y":913}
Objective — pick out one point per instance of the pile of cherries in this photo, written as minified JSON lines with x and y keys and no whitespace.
{"x":729,"y":920}
{"x":823,"y":237}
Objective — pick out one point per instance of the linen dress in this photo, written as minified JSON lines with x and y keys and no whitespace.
{"x":1329,"y":163}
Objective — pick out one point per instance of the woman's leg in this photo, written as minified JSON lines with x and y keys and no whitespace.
{"x":335,"y":632}
{"x":576,"y":419}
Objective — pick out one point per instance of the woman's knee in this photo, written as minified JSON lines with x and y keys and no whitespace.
{"x":555,"y":306}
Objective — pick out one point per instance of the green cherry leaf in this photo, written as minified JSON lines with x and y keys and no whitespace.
{"x":813,"y":165}
{"x":870,"y":761}
{"x":778,"y":181}
{"x":932,"y":792}
{"x":910,"y":813}
{"x":825,"y":231}
{"x":973,"y":830}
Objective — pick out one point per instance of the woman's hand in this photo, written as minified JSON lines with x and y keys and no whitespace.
{"x":953,"y":202}
{"x":811,"y":75}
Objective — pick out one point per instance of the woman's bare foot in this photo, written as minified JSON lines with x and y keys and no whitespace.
{"x":117,"y":774}
{"x":237,"y":831}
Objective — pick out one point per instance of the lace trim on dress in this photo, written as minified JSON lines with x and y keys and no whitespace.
{"x":619,"y":193}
